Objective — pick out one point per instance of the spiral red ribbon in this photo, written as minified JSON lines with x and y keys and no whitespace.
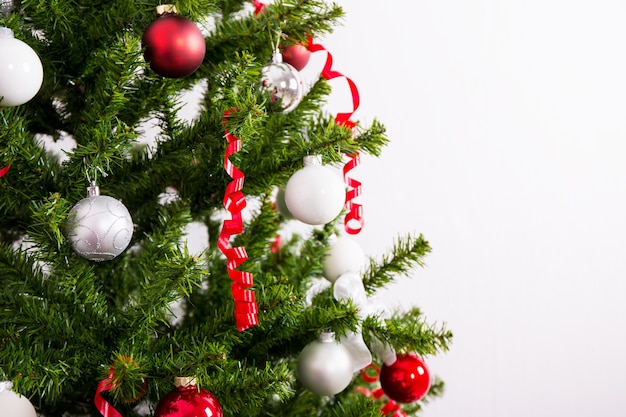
{"x":390,"y":406}
{"x":246,"y":309}
{"x":4,"y":170}
{"x":353,"y":222}
{"x":258,"y":6}
{"x":104,"y":407}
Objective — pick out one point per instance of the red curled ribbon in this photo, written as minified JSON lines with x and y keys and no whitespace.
{"x":353,"y":222}
{"x":246,"y":309}
{"x":390,"y":406}
{"x":258,"y":6}
{"x":4,"y":170}
{"x":103,"y":406}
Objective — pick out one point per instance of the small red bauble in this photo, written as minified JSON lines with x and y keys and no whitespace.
{"x":173,"y":45}
{"x":186,"y":400}
{"x":297,"y":56}
{"x":406,"y":380}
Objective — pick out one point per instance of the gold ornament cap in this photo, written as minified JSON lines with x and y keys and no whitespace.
{"x":184,"y":381}
{"x":163,"y":9}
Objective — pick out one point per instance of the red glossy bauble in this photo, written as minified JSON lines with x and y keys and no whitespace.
{"x":174,"y":46}
{"x":188,"y":401}
{"x":297,"y":56}
{"x":406,"y":380}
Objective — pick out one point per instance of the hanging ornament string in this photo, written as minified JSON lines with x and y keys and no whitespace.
{"x":353,"y":222}
{"x":246,"y":309}
{"x":390,"y":406}
{"x":4,"y":170}
{"x":104,"y":407}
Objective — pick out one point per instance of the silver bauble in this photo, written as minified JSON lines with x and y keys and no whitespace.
{"x":6,"y":7}
{"x":99,"y":227}
{"x":325,"y":366}
{"x":282,"y":82}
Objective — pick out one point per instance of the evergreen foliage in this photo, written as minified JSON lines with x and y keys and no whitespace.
{"x":64,"y":320}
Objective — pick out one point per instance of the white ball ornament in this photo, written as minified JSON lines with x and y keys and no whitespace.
{"x":325,"y":366}
{"x":315,"y":194}
{"x":281,"y":205}
{"x":343,"y":255}
{"x":99,"y":227}
{"x":282,"y":82}
{"x":12,"y":404}
{"x":21,"y":72}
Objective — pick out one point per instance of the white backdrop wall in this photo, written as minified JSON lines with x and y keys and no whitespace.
{"x":507,"y":121}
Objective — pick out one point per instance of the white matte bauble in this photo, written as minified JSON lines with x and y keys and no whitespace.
{"x":283,"y":83}
{"x":325,"y":366}
{"x":14,"y":405}
{"x":343,"y":255}
{"x":21,"y":72}
{"x":281,"y":205}
{"x":315,"y":194}
{"x":99,"y":227}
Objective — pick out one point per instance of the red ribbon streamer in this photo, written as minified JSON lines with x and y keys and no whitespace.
{"x":246,"y":309}
{"x":258,"y":7}
{"x":390,"y":406}
{"x":4,"y":170}
{"x":103,"y":406}
{"x":353,"y":222}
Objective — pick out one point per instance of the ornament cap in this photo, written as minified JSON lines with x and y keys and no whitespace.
{"x":326,"y":336}
{"x":163,"y":9}
{"x":93,"y":190}
{"x":312,"y":160}
{"x":277,"y":57}
{"x":6,"y":386}
{"x":6,"y":33}
{"x":184,"y":381}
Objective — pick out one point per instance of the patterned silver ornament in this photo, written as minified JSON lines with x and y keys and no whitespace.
{"x":6,"y":7}
{"x":99,"y":227}
{"x":325,"y":365}
{"x":282,"y":82}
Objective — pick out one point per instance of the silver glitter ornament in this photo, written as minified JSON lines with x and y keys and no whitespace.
{"x":6,"y":7}
{"x":282,"y":82}
{"x":99,"y":227}
{"x":325,"y":365}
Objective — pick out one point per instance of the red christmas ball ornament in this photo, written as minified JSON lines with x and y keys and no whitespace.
{"x":406,"y":380}
{"x":297,"y":56}
{"x":173,"y":44}
{"x":187,"y":400}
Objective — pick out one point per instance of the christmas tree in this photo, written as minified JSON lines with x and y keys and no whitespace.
{"x":176,"y":120}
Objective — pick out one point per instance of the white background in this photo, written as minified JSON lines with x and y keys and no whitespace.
{"x":507,"y":121}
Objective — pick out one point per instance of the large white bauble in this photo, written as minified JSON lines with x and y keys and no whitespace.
{"x":14,"y":405}
{"x":21,"y":72}
{"x":343,"y":255}
{"x":315,"y":194}
{"x":325,"y":366}
{"x":99,"y":227}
